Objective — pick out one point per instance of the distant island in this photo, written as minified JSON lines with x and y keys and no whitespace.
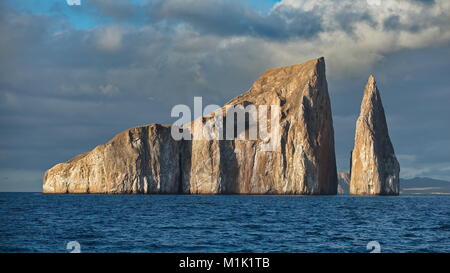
{"x":148,"y":159}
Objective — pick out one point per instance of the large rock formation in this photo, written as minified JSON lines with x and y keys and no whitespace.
{"x":148,"y":160}
{"x":374,"y":167}
{"x":304,"y":160}
{"x":140,"y":160}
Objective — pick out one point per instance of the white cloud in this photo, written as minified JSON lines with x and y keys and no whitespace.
{"x":109,"y":38}
{"x":355,"y":47}
{"x":109,"y":89}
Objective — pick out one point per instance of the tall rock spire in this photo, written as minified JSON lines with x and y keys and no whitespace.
{"x":374,"y":167}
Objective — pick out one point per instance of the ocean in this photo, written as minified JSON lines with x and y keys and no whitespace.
{"x":35,"y":222}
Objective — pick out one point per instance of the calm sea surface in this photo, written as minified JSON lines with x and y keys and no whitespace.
{"x":34,"y":222}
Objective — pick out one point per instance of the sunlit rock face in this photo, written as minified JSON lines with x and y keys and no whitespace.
{"x":375,"y":169}
{"x":148,"y":160}
{"x":304,"y":159}
{"x":139,"y":160}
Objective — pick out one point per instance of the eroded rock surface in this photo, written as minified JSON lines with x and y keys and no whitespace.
{"x":140,"y":160}
{"x":303,"y":162}
{"x":147,"y":160}
{"x":375,"y":169}
{"x":343,"y":183}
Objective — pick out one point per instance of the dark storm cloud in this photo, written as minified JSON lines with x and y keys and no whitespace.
{"x":425,"y":2}
{"x":392,"y":23}
{"x":232,"y":18}
{"x":346,"y":20}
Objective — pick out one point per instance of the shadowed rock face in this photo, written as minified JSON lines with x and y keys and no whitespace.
{"x":375,"y":169}
{"x":147,"y":160}
{"x":343,"y":183}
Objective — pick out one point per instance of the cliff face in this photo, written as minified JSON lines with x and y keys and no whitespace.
{"x":375,"y":169}
{"x":139,"y":160}
{"x":147,"y":159}
{"x":343,"y":183}
{"x":304,"y":159}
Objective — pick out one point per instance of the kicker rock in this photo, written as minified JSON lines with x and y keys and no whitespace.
{"x":303,"y":161}
{"x":139,"y":160}
{"x":148,"y":160}
{"x":374,"y":168}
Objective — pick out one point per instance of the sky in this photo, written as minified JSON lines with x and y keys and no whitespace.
{"x":72,"y":77}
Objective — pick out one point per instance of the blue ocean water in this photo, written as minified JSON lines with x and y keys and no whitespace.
{"x":34,"y":222}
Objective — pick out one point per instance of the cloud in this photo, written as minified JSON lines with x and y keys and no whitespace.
{"x":231,"y":18}
{"x":353,"y":35}
{"x":109,"y":89}
{"x":356,"y":35}
{"x":109,"y":38}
